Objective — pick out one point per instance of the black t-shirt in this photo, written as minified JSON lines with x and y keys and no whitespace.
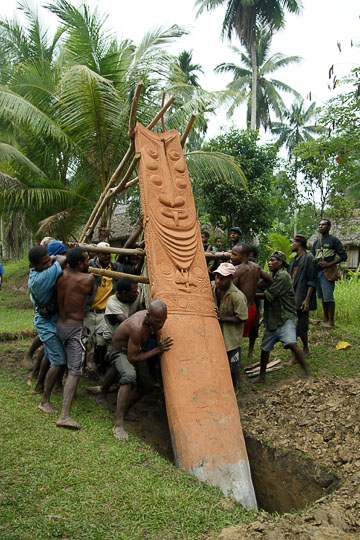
{"x":328,"y":249}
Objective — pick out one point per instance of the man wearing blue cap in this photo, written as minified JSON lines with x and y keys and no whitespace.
{"x":42,"y":281}
{"x":235,"y":236}
{"x":56,"y":248}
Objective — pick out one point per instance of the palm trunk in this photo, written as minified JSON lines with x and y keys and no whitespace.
{"x":253,"y":84}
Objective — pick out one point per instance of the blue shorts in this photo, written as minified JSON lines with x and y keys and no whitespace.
{"x":286,"y":334}
{"x":324,"y":288}
{"x":54,"y":351}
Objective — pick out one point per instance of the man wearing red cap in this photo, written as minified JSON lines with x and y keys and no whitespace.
{"x":233,"y":313}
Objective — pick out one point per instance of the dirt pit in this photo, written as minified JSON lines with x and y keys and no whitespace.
{"x":304,"y":450}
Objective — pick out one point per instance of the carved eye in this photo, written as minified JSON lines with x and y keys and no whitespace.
{"x":152,"y":152}
{"x":180,"y":166}
{"x":174,"y":155}
{"x":155,"y":179}
{"x":180,"y":183}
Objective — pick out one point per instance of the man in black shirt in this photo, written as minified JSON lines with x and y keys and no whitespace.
{"x":303,"y":273}
{"x":328,"y":251}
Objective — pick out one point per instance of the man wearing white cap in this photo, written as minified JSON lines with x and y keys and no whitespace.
{"x":232,"y":313}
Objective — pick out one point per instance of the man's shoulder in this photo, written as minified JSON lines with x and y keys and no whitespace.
{"x":282,"y":275}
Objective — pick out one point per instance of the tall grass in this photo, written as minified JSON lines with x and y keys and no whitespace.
{"x":347,"y":294}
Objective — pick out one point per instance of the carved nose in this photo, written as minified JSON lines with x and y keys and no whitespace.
{"x":172,"y":203}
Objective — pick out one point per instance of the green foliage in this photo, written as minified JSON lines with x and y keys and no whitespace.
{"x":277,"y":242}
{"x":228,"y":202}
{"x":88,"y":485}
{"x":268,"y":88}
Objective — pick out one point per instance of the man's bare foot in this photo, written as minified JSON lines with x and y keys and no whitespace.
{"x":260,"y":379}
{"x":68,"y":423}
{"x":120,"y":433}
{"x":306,"y":352}
{"x":47,"y":407}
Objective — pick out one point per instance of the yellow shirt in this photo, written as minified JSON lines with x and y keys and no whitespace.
{"x":104,"y":291}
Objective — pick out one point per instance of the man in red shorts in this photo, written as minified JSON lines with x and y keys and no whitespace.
{"x":246,"y":279}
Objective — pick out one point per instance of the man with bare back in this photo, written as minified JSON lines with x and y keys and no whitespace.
{"x":73,"y":287}
{"x":246,"y":279}
{"x":125,"y":353}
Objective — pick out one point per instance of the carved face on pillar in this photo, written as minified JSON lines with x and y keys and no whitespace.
{"x":168,"y":204}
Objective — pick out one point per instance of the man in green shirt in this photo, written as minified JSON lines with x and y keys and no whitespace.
{"x":279,"y":313}
{"x":232,"y":313}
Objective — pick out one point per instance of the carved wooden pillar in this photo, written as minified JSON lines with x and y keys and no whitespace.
{"x":201,"y":406}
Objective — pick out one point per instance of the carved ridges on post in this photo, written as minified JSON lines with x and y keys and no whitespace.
{"x":171,"y":227}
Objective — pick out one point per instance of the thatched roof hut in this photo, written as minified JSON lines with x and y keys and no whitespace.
{"x":121,"y":227}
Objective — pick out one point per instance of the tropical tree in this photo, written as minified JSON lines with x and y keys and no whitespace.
{"x":297,"y":126}
{"x":184,"y":70}
{"x":243,"y":17}
{"x":268,"y":88}
{"x":68,"y":114}
{"x":228,"y":202}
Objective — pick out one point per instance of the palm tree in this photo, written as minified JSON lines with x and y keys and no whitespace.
{"x":243,"y":17}
{"x":184,"y":70}
{"x":268,"y":96}
{"x":297,"y":126}
{"x":68,"y":114}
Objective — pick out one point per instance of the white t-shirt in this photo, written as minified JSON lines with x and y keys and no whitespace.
{"x":115,"y":307}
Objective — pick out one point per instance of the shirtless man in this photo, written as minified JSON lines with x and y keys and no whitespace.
{"x":73,"y":287}
{"x":246,"y":279}
{"x":125,"y":353}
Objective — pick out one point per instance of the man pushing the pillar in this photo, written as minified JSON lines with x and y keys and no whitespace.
{"x":125,"y":354}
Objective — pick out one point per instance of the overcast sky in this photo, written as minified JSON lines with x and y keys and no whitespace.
{"x":313,"y":35}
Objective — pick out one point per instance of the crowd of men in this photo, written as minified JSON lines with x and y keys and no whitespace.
{"x":75,"y":308}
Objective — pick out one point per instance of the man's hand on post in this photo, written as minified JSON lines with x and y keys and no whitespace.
{"x":165,"y":344}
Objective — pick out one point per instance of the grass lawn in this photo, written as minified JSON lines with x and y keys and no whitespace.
{"x":59,"y":484}
{"x":56,"y":483}
{"x":16,"y":311}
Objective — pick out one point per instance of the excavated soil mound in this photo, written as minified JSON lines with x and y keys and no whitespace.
{"x":318,"y":418}
{"x":304,"y":445}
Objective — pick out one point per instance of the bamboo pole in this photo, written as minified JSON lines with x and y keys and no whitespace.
{"x":122,"y":251}
{"x":155,"y":120}
{"x":117,"y":275}
{"x":138,"y":251}
{"x":134,"y":105}
{"x":122,"y":184}
{"x":109,"y":194}
{"x":162,"y":118}
{"x":112,"y":180}
{"x":132,"y":182}
{"x":187,"y":130}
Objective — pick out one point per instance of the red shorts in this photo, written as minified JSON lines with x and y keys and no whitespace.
{"x":250,"y":321}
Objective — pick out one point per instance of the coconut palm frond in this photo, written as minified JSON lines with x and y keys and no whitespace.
{"x":8,"y":182}
{"x":9,"y":153}
{"x":38,"y":198}
{"x":21,"y":112}
{"x":215,"y":164}
{"x":49,"y":222}
{"x":88,"y":103}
